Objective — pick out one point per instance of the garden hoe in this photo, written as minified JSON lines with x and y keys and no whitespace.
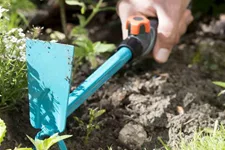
{"x":49,"y":75}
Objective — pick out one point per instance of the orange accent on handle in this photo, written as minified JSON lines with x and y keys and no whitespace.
{"x":134,"y":23}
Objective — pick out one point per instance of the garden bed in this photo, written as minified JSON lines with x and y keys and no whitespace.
{"x":144,"y":101}
{"x":170,"y":101}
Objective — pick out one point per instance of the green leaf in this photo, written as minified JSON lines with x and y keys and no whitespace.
{"x":99,"y":113}
{"x":97,"y":126}
{"x":80,"y":52}
{"x":85,"y":46}
{"x":221,"y":84}
{"x":80,"y":122}
{"x":103,"y":48}
{"x":54,"y":139}
{"x":164,"y":144}
{"x":32,"y":140}
{"x":82,"y":20}
{"x":47,"y":143}
{"x":92,"y":59}
{"x":79,"y":31}
{"x":77,"y":3}
{"x":2,"y":130}
{"x":83,"y":9}
{"x":221,"y":93}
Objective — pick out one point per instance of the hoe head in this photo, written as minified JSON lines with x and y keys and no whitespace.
{"x":49,"y":73}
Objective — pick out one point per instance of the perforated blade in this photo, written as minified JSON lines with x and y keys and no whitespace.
{"x":49,"y":72}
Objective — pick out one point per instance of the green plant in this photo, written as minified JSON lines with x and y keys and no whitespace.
{"x":3,"y":133}
{"x":206,"y":139}
{"x":109,"y":148}
{"x":2,"y":130}
{"x":47,"y":143}
{"x":92,"y":124}
{"x":96,"y":7}
{"x":164,"y":144}
{"x":221,"y":84}
{"x":86,"y":49}
{"x":12,"y":63}
{"x":39,"y":144}
{"x":16,"y":12}
{"x":89,"y":50}
{"x":15,"y":5}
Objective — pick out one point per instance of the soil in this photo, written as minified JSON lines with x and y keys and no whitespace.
{"x":168,"y":100}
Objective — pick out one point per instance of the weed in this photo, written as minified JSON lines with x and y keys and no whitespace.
{"x":221,"y":84}
{"x":2,"y":130}
{"x":86,"y":49}
{"x":109,"y":148}
{"x":39,"y":144}
{"x":92,"y":125}
{"x":3,"y":133}
{"x":206,"y":139}
{"x":47,"y":143}
{"x":89,"y":50}
{"x":164,"y":144}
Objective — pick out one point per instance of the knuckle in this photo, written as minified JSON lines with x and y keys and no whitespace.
{"x":169,"y":29}
{"x":173,"y":40}
{"x":169,"y":41}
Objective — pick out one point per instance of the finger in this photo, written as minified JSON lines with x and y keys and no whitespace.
{"x":125,"y":10}
{"x":161,"y":50}
{"x":189,"y":16}
{"x":167,"y":35}
{"x":185,"y":21}
{"x":145,"y":7}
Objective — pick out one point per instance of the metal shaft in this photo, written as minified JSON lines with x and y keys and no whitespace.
{"x":98,"y":78}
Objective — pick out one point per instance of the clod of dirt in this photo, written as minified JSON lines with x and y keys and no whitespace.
{"x":133,"y":135}
{"x":149,"y":110}
{"x":118,"y":97}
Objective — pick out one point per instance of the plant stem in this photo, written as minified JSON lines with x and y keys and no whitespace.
{"x":94,"y":12}
{"x":63,"y":17}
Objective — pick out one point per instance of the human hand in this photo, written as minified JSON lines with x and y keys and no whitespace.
{"x":173,"y":16}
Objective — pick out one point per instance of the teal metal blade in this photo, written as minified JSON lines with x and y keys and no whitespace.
{"x":49,"y":72}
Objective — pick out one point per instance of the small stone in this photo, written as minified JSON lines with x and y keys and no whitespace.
{"x":133,"y":134}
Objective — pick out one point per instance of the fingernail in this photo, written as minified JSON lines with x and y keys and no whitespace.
{"x":162,"y":55}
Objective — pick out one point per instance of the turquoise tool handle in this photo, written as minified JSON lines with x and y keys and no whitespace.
{"x":98,"y":78}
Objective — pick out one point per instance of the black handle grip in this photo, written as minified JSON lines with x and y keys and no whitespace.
{"x":154,"y":22}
